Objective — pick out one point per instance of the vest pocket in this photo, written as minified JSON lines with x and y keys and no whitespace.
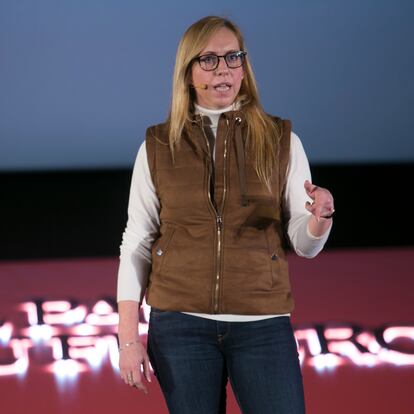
{"x":273,"y":253}
{"x":160,"y":248}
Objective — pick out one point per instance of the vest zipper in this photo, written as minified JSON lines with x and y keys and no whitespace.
{"x":219,"y":218}
{"x":220,"y":228}
{"x":217,"y":282}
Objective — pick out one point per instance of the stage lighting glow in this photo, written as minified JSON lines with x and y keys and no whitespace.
{"x":66,"y":368}
{"x":67,"y":317}
{"x":85,"y":329}
{"x":20,"y":352}
{"x":57,"y":349}
{"x":103,"y":314}
{"x":113,"y":352}
{"x":143,"y":328}
{"x":145,"y":311}
{"x":56,"y":306}
{"x":6,"y":332}
{"x":87,"y":348}
{"x":398,"y":332}
{"x":368,"y":340}
{"x":338,"y":333}
{"x":40,"y":333}
{"x":325,"y":362}
{"x":395,"y":358}
{"x":347,"y":349}
{"x":31,"y":310}
{"x":310,"y":336}
{"x":82,"y":339}
{"x":102,"y":308}
{"x":102,"y":320}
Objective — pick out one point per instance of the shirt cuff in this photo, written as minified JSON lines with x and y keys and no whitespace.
{"x":311,"y":236}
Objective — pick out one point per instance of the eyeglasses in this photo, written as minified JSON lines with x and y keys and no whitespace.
{"x":211,"y":61}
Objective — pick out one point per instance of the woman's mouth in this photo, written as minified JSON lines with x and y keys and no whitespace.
{"x":222,"y":87}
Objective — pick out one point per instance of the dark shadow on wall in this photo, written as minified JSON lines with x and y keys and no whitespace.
{"x":83,"y":213}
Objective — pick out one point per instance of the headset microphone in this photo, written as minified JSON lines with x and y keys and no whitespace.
{"x":200,"y":86}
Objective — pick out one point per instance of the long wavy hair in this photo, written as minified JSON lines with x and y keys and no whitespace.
{"x":263,"y":133}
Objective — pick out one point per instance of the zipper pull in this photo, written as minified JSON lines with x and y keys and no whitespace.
{"x":219,"y":222}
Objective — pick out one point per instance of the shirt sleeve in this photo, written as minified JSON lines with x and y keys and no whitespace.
{"x":295,"y":198}
{"x":141,"y":230}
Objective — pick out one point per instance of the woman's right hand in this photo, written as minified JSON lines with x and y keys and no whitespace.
{"x":130,"y":360}
{"x":132,"y":353}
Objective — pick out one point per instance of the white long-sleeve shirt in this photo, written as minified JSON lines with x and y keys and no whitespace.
{"x":143,"y":222}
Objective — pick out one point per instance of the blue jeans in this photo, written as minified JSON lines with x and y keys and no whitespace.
{"x":193,"y":357}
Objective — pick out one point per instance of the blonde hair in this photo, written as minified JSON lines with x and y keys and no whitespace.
{"x":262,"y":132}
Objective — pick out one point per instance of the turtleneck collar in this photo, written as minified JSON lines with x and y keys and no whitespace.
{"x":214,"y":114}
{"x":208,"y":112}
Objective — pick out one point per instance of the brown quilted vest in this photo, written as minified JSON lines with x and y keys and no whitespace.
{"x":221,"y":247}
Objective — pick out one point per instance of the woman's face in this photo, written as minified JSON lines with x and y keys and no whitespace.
{"x":223,"y":83}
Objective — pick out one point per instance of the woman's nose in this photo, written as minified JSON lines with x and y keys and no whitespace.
{"x":222,"y":65}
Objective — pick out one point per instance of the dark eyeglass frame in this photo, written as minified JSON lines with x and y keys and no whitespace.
{"x":240,"y":53}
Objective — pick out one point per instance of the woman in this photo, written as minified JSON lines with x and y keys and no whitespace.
{"x":218,"y":191}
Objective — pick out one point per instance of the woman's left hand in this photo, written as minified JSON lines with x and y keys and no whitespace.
{"x":323,"y":203}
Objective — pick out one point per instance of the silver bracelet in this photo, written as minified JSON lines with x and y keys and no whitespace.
{"x":127,"y":345}
{"x":329,"y":216}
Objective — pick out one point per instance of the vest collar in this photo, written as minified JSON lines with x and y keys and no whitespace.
{"x":237,"y":116}
{"x":233,"y":114}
